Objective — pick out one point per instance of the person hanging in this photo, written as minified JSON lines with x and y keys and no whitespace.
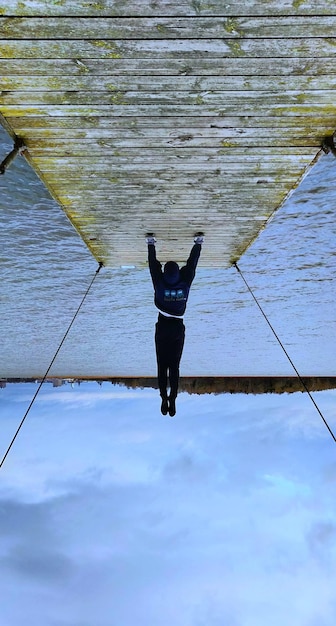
{"x":171,"y":291}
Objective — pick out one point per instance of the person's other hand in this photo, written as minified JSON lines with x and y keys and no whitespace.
{"x":199,"y":238}
{"x":150,"y":240}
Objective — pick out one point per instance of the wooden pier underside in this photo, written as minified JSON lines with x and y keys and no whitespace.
{"x":169,"y":116}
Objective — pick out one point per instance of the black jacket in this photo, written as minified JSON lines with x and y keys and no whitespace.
{"x":172,"y":298}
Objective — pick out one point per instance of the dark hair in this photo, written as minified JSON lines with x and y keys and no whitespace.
{"x":171,"y":272}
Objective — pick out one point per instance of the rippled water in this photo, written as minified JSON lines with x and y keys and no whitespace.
{"x":46,"y":268}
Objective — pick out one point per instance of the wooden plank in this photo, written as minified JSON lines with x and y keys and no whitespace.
{"x":59,"y":138}
{"x":112,"y":218}
{"x":234,"y":66}
{"x":164,"y":126}
{"x":167,"y":171}
{"x":199,"y":98}
{"x":109,"y":182}
{"x":113,"y":192}
{"x":213,"y":210}
{"x":95,"y":85}
{"x":62,"y":179}
{"x":166,"y":7}
{"x":110,"y":222}
{"x":258,"y":100}
{"x":74,"y":146}
{"x":237,"y":108}
{"x":187,"y":48}
{"x":147,"y":193}
{"x":110,"y":28}
{"x":117,"y":215}
{"x":148,"y":190}
{"x":171,"y":154}
{"x":177,"y":194}
{"x":195,"y":173}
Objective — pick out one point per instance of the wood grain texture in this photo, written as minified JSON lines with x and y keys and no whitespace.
{"x":145,"y":28}
{"x":169,"y":116}
{"x":190,"y":49}
{"x":178,"y":66}
{"x":160,"y":8}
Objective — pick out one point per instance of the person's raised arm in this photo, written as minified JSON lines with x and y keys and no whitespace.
{"x":154,"y":265}
{"x":190,"y":267}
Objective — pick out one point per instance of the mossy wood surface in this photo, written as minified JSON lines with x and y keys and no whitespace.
{"x":169,"y":116}
{"x":158,"y":8}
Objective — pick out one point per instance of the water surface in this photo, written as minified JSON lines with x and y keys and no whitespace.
{"x":46,"y":268}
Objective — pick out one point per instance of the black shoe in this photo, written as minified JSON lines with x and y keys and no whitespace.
{"x":164,"y":406}
{"x":172,"y":407}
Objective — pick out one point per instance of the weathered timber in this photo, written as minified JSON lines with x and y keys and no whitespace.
{"x":189,"y":159}
{"x":192,"y":85}
{"x":196,"y":98}
{"x":107,"y":28}
{"x":193,"y":8}
{"x":57,"y":143}
{"x":234,"y":66}
{"x":169,"y":116}
{"x":162,"y":126}
{"x":190,"y":49}
{"x":174,"y":111}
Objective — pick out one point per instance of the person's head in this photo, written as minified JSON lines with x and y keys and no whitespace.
{"x":171,"y":272}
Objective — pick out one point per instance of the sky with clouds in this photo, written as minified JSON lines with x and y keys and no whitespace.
{"x":112,"y":514}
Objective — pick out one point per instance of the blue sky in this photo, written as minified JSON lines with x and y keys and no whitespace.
{"x":112,"y":514}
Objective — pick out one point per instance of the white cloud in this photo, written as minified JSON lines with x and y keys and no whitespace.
{"x":221,"y":516}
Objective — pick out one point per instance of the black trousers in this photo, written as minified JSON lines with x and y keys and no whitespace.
{"x":169,"y":342}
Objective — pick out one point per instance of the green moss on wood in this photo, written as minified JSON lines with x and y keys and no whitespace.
{"x":103,"y":143}
{"x":91,"y":121}
{"x":13,"y":112}
{"x":7,"y":51}
{"x":199,"y":100}
{"x":118,"y":98}
{"x":6,"y":26}
{"x":228,"y":144}
{"x":297,"y":3}
{"x":54,"y":83}
{"x":161,"y":28}
{"x":235,"y":48}
{"x":114,"y":52}
{"x":231,"y":25}
{"x":301,"y":98}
